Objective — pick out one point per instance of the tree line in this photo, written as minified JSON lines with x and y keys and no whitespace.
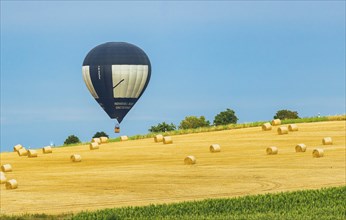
{"x":223,"y":118}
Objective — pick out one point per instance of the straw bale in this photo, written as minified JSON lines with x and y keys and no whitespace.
{"x":292,"y":127}
{"x":158,"y":138}
{"x":167,"y":140}
{"x":76,"y":158}
{"x":32,"y":153}
{"x":11,"y":184}
{"x":266,"y":127}
{"x":124,"y":138}
{"x":189,"y":160}
{"x":47,"y":150}
{"x":2,"y":178}
{"x":276,"y":122}
{"x":282,"y":130}
{"x":300,"y":148}
{"x":22,"y":152}
{"x":97,"y":140}
{"x":272,"y":150}
{"x":318,"y":152}
{"x":6,"y":168}
{"x":215,"y":148}
{"x":327,"y":141}
{"x":94,"y":146}
{"x":104,"y":139}
{"x":17,"y":147}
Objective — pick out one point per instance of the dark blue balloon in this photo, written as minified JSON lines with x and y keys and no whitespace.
{"x":116,"y":74}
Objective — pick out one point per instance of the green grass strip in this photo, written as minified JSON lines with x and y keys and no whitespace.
{"x":325,"y":203}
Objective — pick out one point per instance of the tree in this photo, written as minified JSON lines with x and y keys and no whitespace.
{"x":100,"y":134}
{"x":226,"y":117}
{"x":72,"y":139}
{"x":163,"y":127}
{"x":286,"y":114}
{"x":193,"y":122}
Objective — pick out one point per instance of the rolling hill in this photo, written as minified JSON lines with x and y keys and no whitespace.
{"x":142,"y":172}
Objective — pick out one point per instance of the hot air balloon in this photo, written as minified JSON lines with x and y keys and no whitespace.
{"x":116,"y":74}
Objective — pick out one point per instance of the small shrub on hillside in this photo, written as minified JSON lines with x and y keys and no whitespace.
{"x":72,"y":139}
{"x":162,"y":127}
{"x":286,"y":114}
{"x":194,"y":122}
{"x":226,"y":117}
{"x":100,"y":134}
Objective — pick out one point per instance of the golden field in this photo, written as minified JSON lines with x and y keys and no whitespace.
{"x":142,"y":172}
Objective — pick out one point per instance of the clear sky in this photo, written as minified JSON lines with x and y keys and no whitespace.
{"x":253,"y":57}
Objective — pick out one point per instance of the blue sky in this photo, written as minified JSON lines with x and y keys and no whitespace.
{"x":253,"y":57}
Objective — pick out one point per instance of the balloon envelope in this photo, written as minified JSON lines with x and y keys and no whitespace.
{"x":116,"y":74}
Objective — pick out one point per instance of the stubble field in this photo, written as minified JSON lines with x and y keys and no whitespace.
{"x":141,"y":172}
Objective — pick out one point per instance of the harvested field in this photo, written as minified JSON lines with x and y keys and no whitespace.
{"x":142,"y":172}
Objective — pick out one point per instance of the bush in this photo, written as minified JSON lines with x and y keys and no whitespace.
{"x":72,"y":139}
{"x":193,"y":122}
{"x":286,"y":114}
{"x":100,"y":134}
{"x":162,"y":127}
{"x":225,"y":118}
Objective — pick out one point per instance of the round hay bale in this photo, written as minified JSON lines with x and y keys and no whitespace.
{"x":124,"y":138}
{"x":22,"y":152}
{"x":104,"y":139}
{"x":215,"y":148}
{"x":276,"y":122}
{"x":327,"y":141}
{"x":167,"y":140}
{"x":32,"y":153}
{"x":97,"y":140}
{"x":158,"y":138}
{"x":6,"y":168}
{"x":189,"y":160}
{"x":11,"y":184}
{"x":266,"y":127}
{"x":318,"y":152}
{"x":300,"y":148}
{"x":292,"y":127}
{"x":47,"y":150}
{"x":76,"y":158}
{"x":93,"y":146}
{"x":282,"y":130}
{"x":272,"y":150}
{"x":2,"y":178}
{"x":17,"y":147}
